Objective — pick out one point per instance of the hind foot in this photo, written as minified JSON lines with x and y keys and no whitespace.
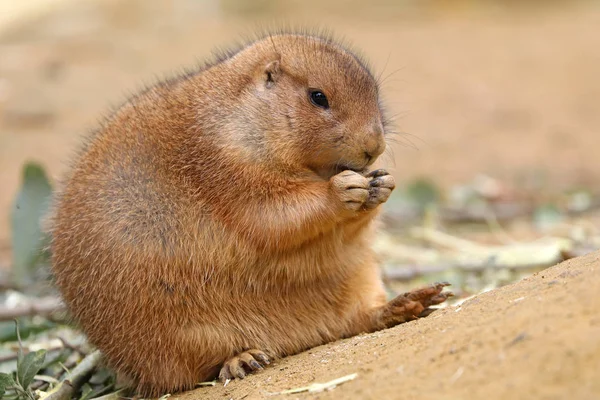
{"x":242,"y":364}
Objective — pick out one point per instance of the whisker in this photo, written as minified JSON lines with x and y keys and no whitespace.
{"x":397,"y":115}
{"x":406,"y":142}
{"x":389,"y":154}
{"x":413,"y":136}
{"x":381,"y":82}
{"x":378,"y":79}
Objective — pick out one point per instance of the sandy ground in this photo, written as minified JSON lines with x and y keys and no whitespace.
{"x":536,"y":339}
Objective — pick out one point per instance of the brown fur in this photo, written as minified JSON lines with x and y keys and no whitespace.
{"x":221,"y":212}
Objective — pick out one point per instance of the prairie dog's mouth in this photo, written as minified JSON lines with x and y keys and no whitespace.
{"x":343,"y":167}
{"x":328,"y":171}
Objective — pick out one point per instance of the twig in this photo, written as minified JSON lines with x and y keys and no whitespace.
{"x":41,"y":385}
{"x":63,"y":391}
{"x":78,"y":375}
{"x":466,"y":255}
{"x":497,"y":229}
{"x":201,"y":384}
{"x":43,"y":307}
{"x":74,"y":380}
{"x":445,"y":240}
{"x":6,"y":284}
{"x":45,"y":378}
{"x":406,"y":273}
{"x":504,"y":211}
{"x":111,"y":396}
{"x":409,"y":272}
{"x":319,"y":387}
{"x":11,"y":357}
{"x":70,"y":346}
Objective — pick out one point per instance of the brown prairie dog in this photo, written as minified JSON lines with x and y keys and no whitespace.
{"x":223,"y":218}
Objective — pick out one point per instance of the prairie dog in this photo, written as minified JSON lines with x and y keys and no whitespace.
{"x":223,"y":218}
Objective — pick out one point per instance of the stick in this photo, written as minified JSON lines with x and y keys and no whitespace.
{"x":77,"y":377}
{"x":11,"y":357}
{"x":43,"y":307}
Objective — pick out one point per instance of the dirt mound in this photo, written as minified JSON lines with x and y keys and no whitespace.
{"x":538,"y":338}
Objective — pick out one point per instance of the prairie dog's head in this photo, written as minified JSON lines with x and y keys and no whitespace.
{"x":318,"y":105}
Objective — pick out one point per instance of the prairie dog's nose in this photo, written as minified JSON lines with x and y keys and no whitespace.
{"x":374,"y":143}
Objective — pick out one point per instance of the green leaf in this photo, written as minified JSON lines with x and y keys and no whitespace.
{"x":6,"y":381}
{"x":414,"y":198}
{"x":20,"y":350}
{"x":101,"y":376}
{"x":423,"y":192}
{"x":580,"y":201}
{"x":547,"y":216}
{"x":29,"y":367}
{"x":86,"y":391}
{"x":30,"y":206}
{"x":27,"y":327}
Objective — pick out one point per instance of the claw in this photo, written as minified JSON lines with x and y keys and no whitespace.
{"x":262,"y":357}
{"x":241,"y":364}
{"x":225,"y":375}
{"x":375,"y":182}
{"x":240,"y":374}
{"x":377,"y":173}
{"x":255,"y":365}
{"x":414,"y":304}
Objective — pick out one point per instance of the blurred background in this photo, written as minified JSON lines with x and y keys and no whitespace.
{"x":497,"y":104}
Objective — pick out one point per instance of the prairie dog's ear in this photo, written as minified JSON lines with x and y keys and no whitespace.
{"x":272,"y":73}
{"x":268,"y":71}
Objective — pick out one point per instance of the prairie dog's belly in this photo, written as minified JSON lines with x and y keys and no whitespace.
{"x":221,"y":288}
{"x":288,"y":321}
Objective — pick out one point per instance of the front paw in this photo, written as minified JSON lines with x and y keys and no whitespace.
{"x":412,"y":305}
{"x":351,"y":189}
{"x":380,"y":188}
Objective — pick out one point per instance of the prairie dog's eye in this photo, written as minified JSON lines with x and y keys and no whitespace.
{"x":318,"y":98}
